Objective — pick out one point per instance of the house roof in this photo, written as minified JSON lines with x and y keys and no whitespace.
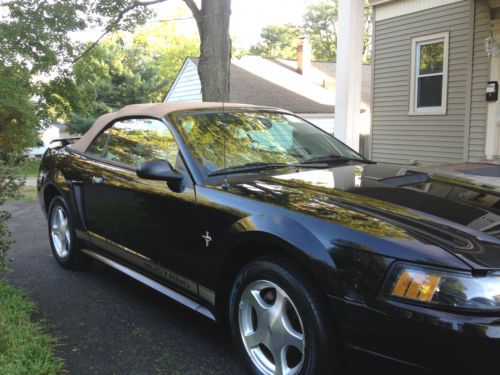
{"x":327,"y":71}
{"x":276,"y":82}
{"x":152,"y":110}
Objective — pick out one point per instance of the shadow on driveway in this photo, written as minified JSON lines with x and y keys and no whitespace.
{"x":108,"y":323}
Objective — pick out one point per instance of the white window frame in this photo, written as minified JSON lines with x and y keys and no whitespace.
{"x":415,"y":63}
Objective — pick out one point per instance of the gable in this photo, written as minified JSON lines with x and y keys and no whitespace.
{"x":187,"y":85}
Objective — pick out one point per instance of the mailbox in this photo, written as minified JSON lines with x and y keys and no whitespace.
{"x":492,"y":91}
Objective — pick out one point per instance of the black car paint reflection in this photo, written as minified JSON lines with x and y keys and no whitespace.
{"x":346,"y":224}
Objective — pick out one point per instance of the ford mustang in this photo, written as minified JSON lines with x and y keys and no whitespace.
{"x":318,"y":260}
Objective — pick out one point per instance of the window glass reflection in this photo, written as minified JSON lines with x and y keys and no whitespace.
{"x":136,"y":141}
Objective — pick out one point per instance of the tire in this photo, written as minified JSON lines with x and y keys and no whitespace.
{"x":301,"y":337}
{"x":63,"y":242}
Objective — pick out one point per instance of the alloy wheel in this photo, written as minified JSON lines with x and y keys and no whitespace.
{"x":271,"y":329}
{"x":60,"y":232}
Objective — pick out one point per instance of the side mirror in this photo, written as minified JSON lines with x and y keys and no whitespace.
{"x":161,"y":170}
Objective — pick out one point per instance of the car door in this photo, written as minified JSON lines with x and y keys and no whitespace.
{"x":141,"y":221}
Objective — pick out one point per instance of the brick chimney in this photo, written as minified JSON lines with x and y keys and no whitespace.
{"x":304,"y":54}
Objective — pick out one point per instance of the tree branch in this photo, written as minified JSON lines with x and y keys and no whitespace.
{"x":194,"y":9}
{"x":92,"y":46}
{"x":116,"y":21}
{"x":146,"y":3}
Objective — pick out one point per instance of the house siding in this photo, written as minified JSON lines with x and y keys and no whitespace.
{"x":187,"y":86}
{"x":400,"y":137}
{"x":480,"y":75}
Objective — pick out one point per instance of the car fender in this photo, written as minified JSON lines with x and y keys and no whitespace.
{"x":285,"y":236}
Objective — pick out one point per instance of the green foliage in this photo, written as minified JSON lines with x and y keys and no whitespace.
{"x":367,"y":33}
{"x":123,"y":69}
{"x":37,"y":31}
{"x":29,"y":167}
{"x":431,"y":58}
{"x":10,"y":182}
{"x":25,"y":347}
{"x":34,"y":39}
{"x":18,"y":119}
{"x":79,"y":124}
{"x":320,"y":26}
{"x":278,"y":41}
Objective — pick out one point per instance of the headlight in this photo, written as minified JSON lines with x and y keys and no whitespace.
{"x":444,"y":288}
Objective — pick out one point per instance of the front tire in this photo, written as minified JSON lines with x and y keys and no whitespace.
{"x":280,"y":322}
{"x":63,"y":242}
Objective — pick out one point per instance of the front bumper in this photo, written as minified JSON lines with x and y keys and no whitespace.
{"x":393,"y":336}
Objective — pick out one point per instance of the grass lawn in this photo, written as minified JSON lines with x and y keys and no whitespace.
{"x":25,"y":347}
{"x":30,"y":168}
{"x":28,"y":193}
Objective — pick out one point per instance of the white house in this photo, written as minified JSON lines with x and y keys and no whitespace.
{"x":46,"y":135}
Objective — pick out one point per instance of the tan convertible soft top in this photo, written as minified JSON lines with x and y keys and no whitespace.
{"x":154,"y":110}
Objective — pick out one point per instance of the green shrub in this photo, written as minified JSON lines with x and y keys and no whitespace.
{"x":10,"y":182}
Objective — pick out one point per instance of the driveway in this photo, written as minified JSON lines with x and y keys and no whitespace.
{"x":108,"y":323}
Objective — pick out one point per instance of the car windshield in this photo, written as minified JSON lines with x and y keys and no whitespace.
{"x":230,"y":140}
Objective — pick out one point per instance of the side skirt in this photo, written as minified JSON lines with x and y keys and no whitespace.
{"x":153,"y":284}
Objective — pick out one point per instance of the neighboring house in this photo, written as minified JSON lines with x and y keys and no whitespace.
{"x":46,"y":135}
{"x":304,"y":87}
{"x":431,"y":68}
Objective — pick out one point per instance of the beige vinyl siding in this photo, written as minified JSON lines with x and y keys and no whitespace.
{"x":480,"y":75}
{"x":396,"y":135}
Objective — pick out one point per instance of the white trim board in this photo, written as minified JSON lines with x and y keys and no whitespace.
{"x":391,"y":9}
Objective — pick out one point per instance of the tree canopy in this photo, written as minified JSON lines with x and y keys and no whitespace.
{"x":18,"y":115}
{"x":35,"y":40}
{"x":123,"y":69}
{"x":320,"y":25}
{"x":278,"y":41}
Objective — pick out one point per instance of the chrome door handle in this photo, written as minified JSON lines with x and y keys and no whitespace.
{"x":97,"y":180}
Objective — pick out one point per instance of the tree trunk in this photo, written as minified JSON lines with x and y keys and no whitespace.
{"x":215,"y":49}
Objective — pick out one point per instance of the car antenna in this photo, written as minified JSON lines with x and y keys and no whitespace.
{"x":225,"y":185}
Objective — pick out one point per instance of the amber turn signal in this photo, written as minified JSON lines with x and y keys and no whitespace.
{"x":416,"y":285}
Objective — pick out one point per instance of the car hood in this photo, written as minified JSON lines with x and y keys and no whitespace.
{"x":459,"y":216}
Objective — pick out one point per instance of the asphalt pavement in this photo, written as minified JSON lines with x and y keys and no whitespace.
{"x":106,"y":322}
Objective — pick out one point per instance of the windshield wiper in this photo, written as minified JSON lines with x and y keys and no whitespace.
{"x":249,"y":167}
{"x":260,"y":166}
{"x":330,"y":158}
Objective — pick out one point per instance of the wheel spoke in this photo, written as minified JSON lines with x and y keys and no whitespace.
{"x":258,"y":303}
{"x":291,"y":336}
{"x":280,"y":366}
{"x":60,"y":216}
{"x":294,"y":339}
{"x":278,"y":307}
{"x":67,"y":238}
{"x":256,"y":337}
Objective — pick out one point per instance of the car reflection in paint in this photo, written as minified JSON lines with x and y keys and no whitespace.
{"x":400,"y":267}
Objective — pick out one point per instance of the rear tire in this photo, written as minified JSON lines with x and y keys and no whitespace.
{"x":63,"y":241}
{"x":280,"y":322}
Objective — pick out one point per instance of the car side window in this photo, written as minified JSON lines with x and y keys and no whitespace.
{"x":135,"y":141}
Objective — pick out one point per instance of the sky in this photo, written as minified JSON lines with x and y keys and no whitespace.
{"x":247,"y":19}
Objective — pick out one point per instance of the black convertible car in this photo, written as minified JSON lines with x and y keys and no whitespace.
{"x":319,"y":260}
